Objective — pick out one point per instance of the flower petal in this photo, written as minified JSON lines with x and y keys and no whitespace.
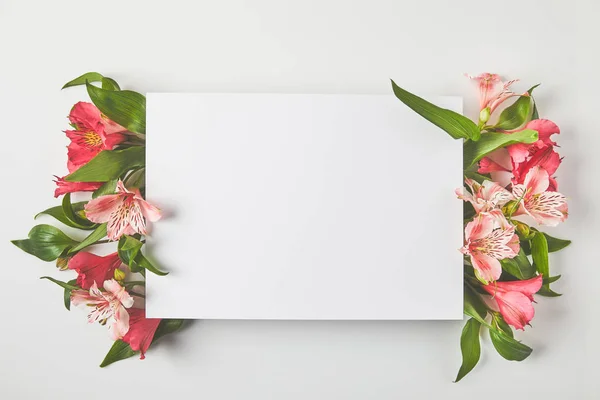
{"x":486,"y":268}
{"x":516,"y":308}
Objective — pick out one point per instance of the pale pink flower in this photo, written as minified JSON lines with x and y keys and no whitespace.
{"x":546,"y":207}
{"x":514,"y":299}
{"x":488,"y":239}
{"x":492,"y":91}
{"x":484,"y":197}
{"x":108,"y":306}
{"x":124,"y":211}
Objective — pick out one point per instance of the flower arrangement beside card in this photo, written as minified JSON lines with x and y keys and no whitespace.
{"x":509,"y":163}
{"x":510,"y":189}
{"x":106,"y":156}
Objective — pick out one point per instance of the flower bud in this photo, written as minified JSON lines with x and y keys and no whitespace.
{"x":119,"y":275}
{"x":522,"y":229}
{"x":484,"y":115}
{"x":62,"y":263}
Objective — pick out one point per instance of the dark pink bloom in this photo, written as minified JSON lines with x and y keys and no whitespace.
{"x":93,"y":133}
{"x":514,"y":299}
{"x":141,"y":331}
{"x":92,"y":268}
{"x":63,"y":186}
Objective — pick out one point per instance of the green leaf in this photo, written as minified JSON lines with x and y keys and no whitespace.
{"x":97,"y":234}
{"x":547,"y":292}
{"x":167,"y":326}
{"x":62,"y":284}
{"x":519,"y":266}
{"x":81,"y":80}
{"x":119,"y":351}
{"x":551,"y":279}
{"x":555,"y":244}
{"x":67,"y":296}
{"x":109,"y":165}
{"x":58,"y":213}
{"x":125,"y":107}
{"x":499,"y":323}
{"x":110,"y":84}
{"x":473,"y":305}
{"x":456,"y":125}
{"x":69,"y":213}
{"x":516,"y":115}
{"x":534,"y":114}
{"x":143,"y":262}
{"x":107,"y":188}
{"x":128,"y":249}
{"x":45,"y":242}
{"x":539,"y":253}
{"x":470,"y":348}
{"x":508,"y":347}
{"x":475,"y":151}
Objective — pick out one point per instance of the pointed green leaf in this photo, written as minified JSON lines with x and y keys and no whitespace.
{"x":167,"y":326}
{"x":67,"y":295}
{"x":456,"y":125}
{"x":125,"y":107}
{"x":539,"y":253}
{"x":547,"y":292}
{"x":519,"y":266}
{"x":143,"y":262}
{"x":470,"y":348}
{"x":75,"y":220}
{"x":109,"y":165}
{"x":45,"y":242}
{"x":508,"y":347}
{"x":97,"y":234}
{"x":473,"y":305}
{"x":515,"y":115}
{"x":107,"y":188}
{"x":475,"y":151}
{"x":81,"y":80}
{"x":555,"y":244}
{"x":128,"y":249}
{"x":110,"y":84}
{"x":62,"y":284}
{"x":499,"y":323}
{"x":59,"y":214}
{"x":534,"y":114}
{"x":119,"y":351}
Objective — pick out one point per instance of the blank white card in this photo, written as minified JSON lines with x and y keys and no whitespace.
{"x":302,"y":206}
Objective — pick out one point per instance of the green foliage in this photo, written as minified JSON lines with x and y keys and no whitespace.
{"x":45,"y":242}
{"x":475,"y":151}
{"x":125,"y":107}
{"x":470,"y":348}
{"x":456,"y":125}
{"x":109,"y":165}
{"x":97,"y":234}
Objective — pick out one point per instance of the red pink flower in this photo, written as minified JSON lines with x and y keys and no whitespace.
{"x":514,"y":299}
{"x":141,"y":331}
{"x":94,"y":269}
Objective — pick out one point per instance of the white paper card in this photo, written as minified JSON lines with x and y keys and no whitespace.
{"x":296,"y":206}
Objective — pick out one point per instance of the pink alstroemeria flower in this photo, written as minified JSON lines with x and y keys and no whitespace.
{"x":514,"y":300}
{"x":546,"y":207}
{"x":485,"y":197}
{"x":141,"y":331}
{"x":108,"y":306}
{"x":94,"y":269}
{"x":488,"y":239}
{"x":124,"y":211}
{"x":93,"y":133}
{"x":63,"y":186}
{"x":492,"y":91}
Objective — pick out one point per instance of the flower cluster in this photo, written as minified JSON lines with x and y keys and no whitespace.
{"x":510,"y":192}
{"x":105,"y":156}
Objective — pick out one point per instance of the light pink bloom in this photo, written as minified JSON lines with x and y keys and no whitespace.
{"x":492,"y":91}
{"x":546,"y":207}
{"x":514,"y":299}
{"x":124,"y":211}
{"x":108,"y":306}
{"x":485,"y":197}
{"x":488,"y":239}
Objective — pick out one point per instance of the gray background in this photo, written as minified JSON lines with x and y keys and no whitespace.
{"x":310,"y":46}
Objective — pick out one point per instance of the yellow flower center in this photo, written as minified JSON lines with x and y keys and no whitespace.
{"x":92,"y":139}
